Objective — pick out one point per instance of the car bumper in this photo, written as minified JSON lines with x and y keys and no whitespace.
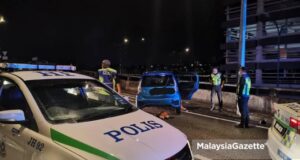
{"x":173,"y":102}
{"x":277,"y":150}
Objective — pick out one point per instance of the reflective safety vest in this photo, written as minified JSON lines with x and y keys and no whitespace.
{"x":107,"y":76}
{"x":247,"y":86}
{"x":216,"y":79}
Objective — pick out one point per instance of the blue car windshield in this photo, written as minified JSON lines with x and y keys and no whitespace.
{"x":157,"y":81}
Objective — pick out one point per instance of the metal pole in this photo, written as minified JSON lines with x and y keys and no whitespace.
{"x":278,"y":51}
{"x":243,"y":28}
{"x":278,"y":54}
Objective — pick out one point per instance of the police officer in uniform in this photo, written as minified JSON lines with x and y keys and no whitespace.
{"x":217,"y":82}
{"x":109,"y":76}
{"x":243,"y":94}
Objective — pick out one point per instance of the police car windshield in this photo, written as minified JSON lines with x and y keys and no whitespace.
{"x":64,"y":100}
{"x":157,"y":81}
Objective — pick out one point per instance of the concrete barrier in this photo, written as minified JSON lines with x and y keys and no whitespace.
{"x":260,"y":104}
{"x":256,"y":103}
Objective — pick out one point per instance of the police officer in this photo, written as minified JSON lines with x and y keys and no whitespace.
{"x":243,"y":94}
{"x":109,"y":76}
{"x":217,"y":82}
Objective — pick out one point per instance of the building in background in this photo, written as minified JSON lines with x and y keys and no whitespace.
{"x":273,"y":42}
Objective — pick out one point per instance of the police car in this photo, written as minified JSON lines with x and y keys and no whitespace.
{"x":284,"y":135}
{"x":48,"y":112}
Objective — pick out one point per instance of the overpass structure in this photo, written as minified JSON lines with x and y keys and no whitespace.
{"x":272,"y":41}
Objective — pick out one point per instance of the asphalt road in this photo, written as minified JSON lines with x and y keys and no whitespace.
{"x":198,"y":127}
{"x":201,"y":126}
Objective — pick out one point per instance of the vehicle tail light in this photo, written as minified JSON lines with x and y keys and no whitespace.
{"x":294,"y":123}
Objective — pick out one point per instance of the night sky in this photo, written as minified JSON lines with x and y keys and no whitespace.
{"x":83,"y":32}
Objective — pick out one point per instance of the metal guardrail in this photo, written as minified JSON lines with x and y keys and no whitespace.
{"x":287,"y":93}
{"x":231,"y":78}
{"x":283,"y":93}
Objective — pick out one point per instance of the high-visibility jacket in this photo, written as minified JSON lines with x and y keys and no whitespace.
{"x":244,"y":86}
{"x":216,"y":79}
{"x":108,"y":76}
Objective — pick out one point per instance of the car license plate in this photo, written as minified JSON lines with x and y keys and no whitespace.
{"x":280,"y":128}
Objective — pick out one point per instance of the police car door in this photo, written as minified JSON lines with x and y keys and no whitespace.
{"x":188,"y":84}
{"x":12,"y":139}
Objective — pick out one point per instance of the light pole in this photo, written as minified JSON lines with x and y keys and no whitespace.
{"x":242,"y":38}
{"x":3,"y":57}
{"x":182,"y":53}
{"x":124,"y":46}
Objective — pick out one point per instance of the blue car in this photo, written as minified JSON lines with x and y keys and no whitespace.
{"x":188,"y":84}
{"x":162,"y":88}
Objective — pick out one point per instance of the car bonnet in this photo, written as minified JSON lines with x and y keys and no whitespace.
{"x":137,"y":135}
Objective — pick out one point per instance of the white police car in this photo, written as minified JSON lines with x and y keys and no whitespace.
{"x":51,"y":114}
{"x":284,"y":134}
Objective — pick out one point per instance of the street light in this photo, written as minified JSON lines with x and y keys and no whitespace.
{"x":126,"y":40}
{"x":187,"y":50}
{"x":2,"y":19}
{"x":143,"y":39}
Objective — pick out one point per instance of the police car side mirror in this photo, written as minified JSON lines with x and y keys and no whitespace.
{"x":12,"y":116}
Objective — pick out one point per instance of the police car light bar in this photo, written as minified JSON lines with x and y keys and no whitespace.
{"x":65,"y":68}
{"x":24,"y":66}
{"x":46,"y":67}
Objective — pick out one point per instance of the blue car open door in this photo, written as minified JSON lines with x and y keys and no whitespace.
{"x":188,"y":84}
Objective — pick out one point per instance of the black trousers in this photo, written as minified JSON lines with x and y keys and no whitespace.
{"x":216,"y":90}
{"x":244,"y":110}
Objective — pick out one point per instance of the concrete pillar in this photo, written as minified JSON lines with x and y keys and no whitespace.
{"x":260,"y":25}
{"x":260,"y":6}
{"x":260,"y":30}
{"x":259,"y":54}
{"x":258,"y":77}
{"x":227,"y":14}
{"x":258,"y":71}
{"x":259,"y":49}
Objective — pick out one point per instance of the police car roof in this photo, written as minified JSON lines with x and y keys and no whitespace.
{"x":44,"y":75}
{"x":160,"y":73}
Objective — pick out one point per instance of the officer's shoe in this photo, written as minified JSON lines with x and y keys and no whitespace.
{"x":240,"y":126}
{"x":212,"y":108}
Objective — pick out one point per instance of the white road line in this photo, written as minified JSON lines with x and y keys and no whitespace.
{"x":132,"y":98}
{"x":222,"y":119}
{"x":198,"y":156}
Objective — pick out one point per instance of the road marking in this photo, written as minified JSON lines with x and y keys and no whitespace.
{"x":198,"y":156}
{"x":221,"y":119}
{"x":132,"y":99}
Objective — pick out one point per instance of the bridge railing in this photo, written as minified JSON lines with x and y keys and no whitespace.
{"x":130,"y":82}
